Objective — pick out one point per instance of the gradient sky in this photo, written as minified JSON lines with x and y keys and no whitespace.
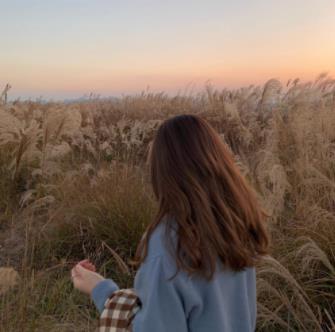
{"x":66,"y":48}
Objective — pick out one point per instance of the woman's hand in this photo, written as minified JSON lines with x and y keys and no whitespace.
{"x":85,"y":279}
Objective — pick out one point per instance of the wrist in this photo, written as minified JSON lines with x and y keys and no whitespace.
{"x":95,"y":283}
{"x":102,"y":291}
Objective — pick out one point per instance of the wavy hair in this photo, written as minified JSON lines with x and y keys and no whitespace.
{"x":198,"y":185}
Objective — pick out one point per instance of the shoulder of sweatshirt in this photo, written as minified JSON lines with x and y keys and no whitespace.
{"x":163,"y":240}
{"x":162,"y":246}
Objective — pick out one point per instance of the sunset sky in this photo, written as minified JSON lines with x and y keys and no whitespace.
{"x":66,"y":48}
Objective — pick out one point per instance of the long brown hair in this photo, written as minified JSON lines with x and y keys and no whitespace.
{"x":198,"y":185}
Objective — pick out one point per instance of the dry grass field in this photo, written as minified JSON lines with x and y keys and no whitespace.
{"x":74,"y":183}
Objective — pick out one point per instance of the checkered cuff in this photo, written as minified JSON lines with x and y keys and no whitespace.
{"x":120,"y":309}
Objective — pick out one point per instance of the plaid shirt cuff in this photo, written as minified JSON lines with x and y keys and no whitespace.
{"x":120,"y":309}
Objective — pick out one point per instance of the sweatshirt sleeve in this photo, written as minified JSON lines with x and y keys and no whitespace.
{"x":102,"y":291}
{"x":162,"y":305}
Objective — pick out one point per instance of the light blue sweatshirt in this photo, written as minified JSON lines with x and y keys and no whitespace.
{"x":227,"y":303}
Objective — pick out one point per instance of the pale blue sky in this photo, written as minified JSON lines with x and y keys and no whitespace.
{"x":67,"y":48}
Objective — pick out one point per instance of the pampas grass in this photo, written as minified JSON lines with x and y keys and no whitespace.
{"x":75,"y":183}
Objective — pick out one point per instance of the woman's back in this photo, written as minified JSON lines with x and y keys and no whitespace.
{"x":226,"y":303}
{"x":217,"y":222}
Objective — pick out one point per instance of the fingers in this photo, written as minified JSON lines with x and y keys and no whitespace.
{"x":87,"y":265}
{"x":80,"y":269}
{"x":90,"y":267}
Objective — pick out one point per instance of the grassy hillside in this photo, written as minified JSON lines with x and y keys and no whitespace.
{"x":74,"y":183}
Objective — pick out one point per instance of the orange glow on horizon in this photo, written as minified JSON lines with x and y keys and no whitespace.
{"x":120,"y":48}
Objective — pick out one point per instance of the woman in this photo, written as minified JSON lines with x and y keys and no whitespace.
{"x":197,"y":258}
